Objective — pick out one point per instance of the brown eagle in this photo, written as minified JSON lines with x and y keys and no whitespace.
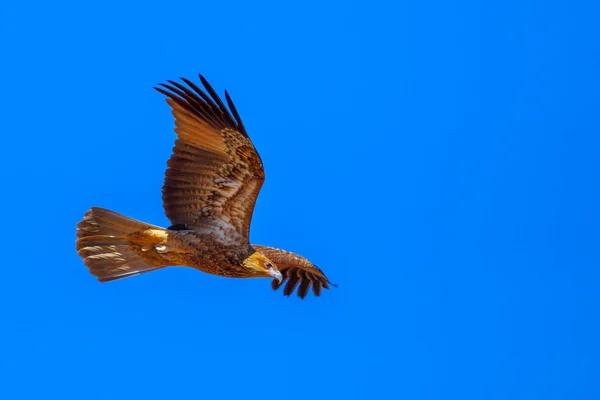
{"x":212,"y":181}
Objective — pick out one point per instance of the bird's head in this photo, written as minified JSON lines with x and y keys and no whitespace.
{"x":261,"y":266}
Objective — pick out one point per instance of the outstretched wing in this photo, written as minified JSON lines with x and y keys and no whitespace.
{"x":214,"y":174}
{"x":297,"y":271}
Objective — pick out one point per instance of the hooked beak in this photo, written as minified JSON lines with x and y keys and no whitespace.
{"x":274,"y":272}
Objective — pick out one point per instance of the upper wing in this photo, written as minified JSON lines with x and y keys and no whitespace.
{"x":214,"y":174}
{"x":295,"y":270}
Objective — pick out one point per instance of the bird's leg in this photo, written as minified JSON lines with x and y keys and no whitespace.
{"x":150,"y":244}
{"x":149,"y":238}
{"x":159,"y":247}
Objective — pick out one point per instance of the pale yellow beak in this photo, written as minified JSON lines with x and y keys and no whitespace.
{"x":274,"y":272}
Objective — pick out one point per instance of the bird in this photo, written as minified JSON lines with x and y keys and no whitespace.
{"x":211,"y":184}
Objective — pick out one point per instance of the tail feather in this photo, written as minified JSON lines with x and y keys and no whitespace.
{"x":103,"y":245}
{"x":100,"y":221}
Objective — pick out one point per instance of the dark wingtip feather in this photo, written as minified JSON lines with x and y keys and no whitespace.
{"x":317,"y":288}
{"x":200,"y":92}
{"x":172,"y":96}
{"x":235,"y":113}
{"x":217,"y":99}
{"x":161,"y":91}
{"x":304,"y":287}
{"x":291,"y":285}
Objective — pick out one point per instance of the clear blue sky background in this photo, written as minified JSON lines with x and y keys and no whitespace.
{"x":438,"y":159}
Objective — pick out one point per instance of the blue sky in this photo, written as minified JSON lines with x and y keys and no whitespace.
{"x":439,"y":160}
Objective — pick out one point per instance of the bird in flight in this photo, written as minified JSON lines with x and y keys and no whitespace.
{"x":211,"y":184}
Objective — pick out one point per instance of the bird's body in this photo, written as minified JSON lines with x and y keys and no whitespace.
{"x":213,"y":179}
{"x":190,"y":248}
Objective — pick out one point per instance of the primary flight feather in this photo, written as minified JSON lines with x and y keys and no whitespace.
{"x":211,"y":184}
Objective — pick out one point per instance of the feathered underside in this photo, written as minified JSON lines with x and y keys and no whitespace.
{"x":297,"y":272}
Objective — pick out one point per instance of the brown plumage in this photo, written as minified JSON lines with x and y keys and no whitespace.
{"x":211,"y":184}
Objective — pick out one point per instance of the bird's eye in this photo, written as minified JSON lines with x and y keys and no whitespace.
{"x":268,"y":265}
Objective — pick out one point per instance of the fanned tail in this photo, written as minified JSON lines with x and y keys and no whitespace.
{"x":103,"y":245}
